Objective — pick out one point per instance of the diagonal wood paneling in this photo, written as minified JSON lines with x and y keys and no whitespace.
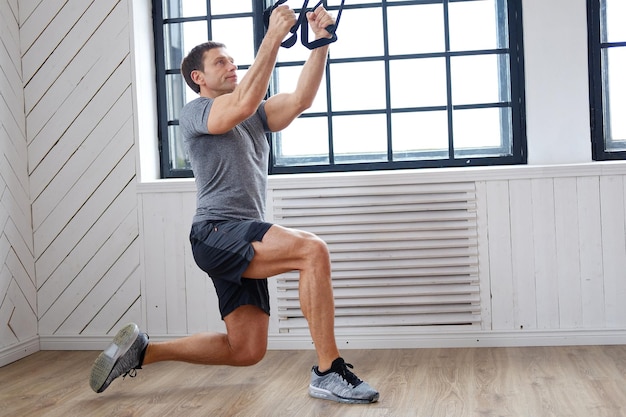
{"x":18,"y":301}
{"x":85,"y":73}
{"x":81,"y":160}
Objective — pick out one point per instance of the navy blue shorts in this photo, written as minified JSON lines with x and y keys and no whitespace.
{"x":223,"y":249}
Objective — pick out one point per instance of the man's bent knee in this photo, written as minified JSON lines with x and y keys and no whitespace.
{"x":248,"y":355}
{"x":313,"y":245}
{"x":247,"y":335}
{"x":315,"y":250}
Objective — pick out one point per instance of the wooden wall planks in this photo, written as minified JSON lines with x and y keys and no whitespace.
{"x":565,"y":268}
{"x":82,"y":164}
{"x":18,"y":293}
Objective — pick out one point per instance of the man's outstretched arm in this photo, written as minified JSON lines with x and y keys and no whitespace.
{"x":230,"y":109}
{"x":283,"y":108}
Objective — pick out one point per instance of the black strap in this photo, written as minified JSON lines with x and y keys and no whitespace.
{"x":291,"y":41}
{"x":304,"y":30}
{"x":332,"y":29}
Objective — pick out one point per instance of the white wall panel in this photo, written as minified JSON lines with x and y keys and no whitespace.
{"x":82,"y":162}
{"x":83,"y":76}
{"x":179,"y":297}
{"x":43,"y":33}
{"x":26,"y":8}
{"x":502,"y":287}
{"x":522,"y":254}
{"x":109,"y":108}
{"x":58,"y":214}
{"x":18,"y":300}
{"x":543,"y":234}
{"x":568,"y":252}
{"x":613,"y":249}
{"x":590,"y":238}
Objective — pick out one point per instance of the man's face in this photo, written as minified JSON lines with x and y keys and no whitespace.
{"x":219,"y":75}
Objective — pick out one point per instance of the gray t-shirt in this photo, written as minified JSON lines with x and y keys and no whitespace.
{"x":230,"y":169}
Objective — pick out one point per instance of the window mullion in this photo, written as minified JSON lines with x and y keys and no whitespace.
{"x":390,"y":150}
{"x":446,"y":24}
{"x":329,"y":120}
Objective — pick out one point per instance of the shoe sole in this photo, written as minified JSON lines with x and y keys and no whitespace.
{"x":106,"y":361}
{"x":323,"y":394}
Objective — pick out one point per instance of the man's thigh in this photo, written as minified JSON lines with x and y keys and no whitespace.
{"x":281,"y":250}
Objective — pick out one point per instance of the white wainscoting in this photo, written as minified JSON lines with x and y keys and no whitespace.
{"x":551,"y":258}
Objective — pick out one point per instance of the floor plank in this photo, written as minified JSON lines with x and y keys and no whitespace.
{"x":577,"y":381}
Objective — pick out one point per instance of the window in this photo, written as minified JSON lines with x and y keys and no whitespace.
{"x":408,"y":84}
{"x":607,"y":66}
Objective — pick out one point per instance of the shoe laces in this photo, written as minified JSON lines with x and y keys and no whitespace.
{"x":348,"y":375}
{"x":130,"y":373}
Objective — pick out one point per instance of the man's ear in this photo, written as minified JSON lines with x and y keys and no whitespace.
{"x":197,"y":77}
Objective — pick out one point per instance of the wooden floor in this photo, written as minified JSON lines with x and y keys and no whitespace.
{"x":520,"y":382}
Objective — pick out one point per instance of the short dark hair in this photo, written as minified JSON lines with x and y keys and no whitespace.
{"x":195,"y":61}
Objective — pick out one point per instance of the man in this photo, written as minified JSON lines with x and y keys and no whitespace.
{"x":224,"y":132}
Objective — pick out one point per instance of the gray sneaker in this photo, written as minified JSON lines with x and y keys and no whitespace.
{"x":123,"y":357}
{"x":341,"y":385}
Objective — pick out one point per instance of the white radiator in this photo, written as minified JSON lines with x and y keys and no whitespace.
{"x":403,"y":255}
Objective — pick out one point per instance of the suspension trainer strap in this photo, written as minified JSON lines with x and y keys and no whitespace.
{"x":304,"y":29}
{"x":332,"y":29}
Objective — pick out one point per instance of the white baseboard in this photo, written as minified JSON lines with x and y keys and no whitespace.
{"x":439,"y":339}
{"x":19,"y":351}
{"x":75,"y":342}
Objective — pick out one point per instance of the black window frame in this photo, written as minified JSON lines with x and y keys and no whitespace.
{"x":514,"y":51}
{"x":598,"y":79}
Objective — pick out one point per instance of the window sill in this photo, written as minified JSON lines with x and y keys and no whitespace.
{"x":436,"y":175}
